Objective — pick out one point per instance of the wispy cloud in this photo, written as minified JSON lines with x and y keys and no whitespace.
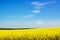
{"x":34,"y":24}
{"x":36,"y":11}
{"x":28,"y":16}
{"x":37,"y":7}
{"x":39,"y":22}
{"x":40,"y":4}
{"x":51,"y":2}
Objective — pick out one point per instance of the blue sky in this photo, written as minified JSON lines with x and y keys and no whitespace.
{"x":29,"y":13}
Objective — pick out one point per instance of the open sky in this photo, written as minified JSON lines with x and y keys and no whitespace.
{"x":29,"y":13}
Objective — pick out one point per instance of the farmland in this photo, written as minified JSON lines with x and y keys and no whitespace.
{"x":31,"y":34}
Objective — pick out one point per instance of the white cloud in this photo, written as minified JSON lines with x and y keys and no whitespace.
{"x":51,"y":2}
{"x":31,"y":24}
{"x":28,"y":16}
{"x":39,"y":22}
{"x":34,"y":3}
{"x":36,"y":11}
{"x":37,"y":6}
{"x":40,"y":4}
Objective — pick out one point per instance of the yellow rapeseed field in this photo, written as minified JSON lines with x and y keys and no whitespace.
{"x":31,"y":34}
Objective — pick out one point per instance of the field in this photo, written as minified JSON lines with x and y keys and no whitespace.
{"x":31,"y":34}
